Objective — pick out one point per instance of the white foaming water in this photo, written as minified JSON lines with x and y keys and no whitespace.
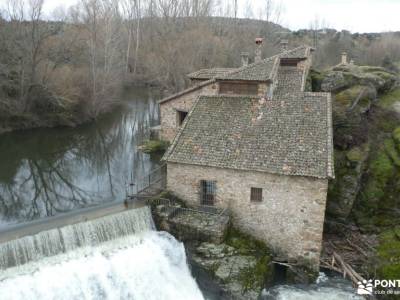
{"x":322,"y":293}
{"x":325,"y":288}
{"x":147,"y":266}
{"x":62,"y":240}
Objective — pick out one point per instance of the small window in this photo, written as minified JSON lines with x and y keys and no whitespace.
{"x":236,"y":88}
{"x":256,"y":195}
{"x":289,"y":62}
{"x":207,"y":192}
{"x":181,"y":116}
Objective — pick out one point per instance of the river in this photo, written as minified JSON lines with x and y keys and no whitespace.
{"x":45,"y":172}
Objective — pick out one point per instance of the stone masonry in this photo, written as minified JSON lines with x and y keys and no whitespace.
{"x":289,"y":219}
{"x":184,"y":102}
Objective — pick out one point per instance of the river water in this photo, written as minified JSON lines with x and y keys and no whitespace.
{"x":44,"y":172}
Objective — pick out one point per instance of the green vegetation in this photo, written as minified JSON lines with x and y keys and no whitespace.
{"x":390,"y":98}
{"x":315,"y":79}
{"x":154,"y":146}
{"x":245,"y":244}
{"x":348,"y":96}
{"x":381,"y":170}
{"x":392,"y":152}
{"x":388,"y":254}
{"x":396,"y":136}
{"x":379,"y":194}
{"x":356,"y":154}
{"x":369,"y":69}
{"x":252,"y":278}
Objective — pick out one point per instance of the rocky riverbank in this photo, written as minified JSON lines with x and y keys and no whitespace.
{"x":226,"y":263}
{"x":363,"y":200}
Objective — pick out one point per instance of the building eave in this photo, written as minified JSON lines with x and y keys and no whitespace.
{"x":184,"y":92}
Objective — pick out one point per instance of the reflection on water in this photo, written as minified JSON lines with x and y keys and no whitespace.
{"x":49,"y":171}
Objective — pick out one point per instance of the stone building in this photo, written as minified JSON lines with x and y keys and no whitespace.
{"x":253,"y":140}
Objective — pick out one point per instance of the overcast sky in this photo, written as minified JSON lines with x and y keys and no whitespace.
{"x":353,"y":15}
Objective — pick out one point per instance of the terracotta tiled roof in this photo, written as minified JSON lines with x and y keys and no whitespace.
{"x":210,"y":73}
{"x":265,"y":70}
{"x":289,"y":135}
{"x":262,"y":71}
{"x":299,"y":52}
{"x":187,"y":91}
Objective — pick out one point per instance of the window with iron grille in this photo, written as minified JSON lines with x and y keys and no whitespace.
{"x":207,"y":192}
{"x":256,"y":194}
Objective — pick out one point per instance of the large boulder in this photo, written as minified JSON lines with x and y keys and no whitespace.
{"x":343,"y":191}
{"x":240,"y":268}
{"x":333,"y":81}
{"x":342,"y":77}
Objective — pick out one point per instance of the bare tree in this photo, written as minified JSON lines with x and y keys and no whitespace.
{"x":132,"y":13}
{"x":272,"y":11}
{"x":102,"y":23}
{"x":248,"y":10}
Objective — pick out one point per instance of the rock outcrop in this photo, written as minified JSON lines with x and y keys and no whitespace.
{"x":365,"y":116}
{"x":365,"y":193}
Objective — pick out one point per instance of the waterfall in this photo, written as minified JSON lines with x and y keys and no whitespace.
{"x":65,"y":239}
{"x":146,"y":266}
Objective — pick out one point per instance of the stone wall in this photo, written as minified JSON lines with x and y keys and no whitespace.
{"x":169,"y":121}
{"x":305,"y":66}
{"x":289,"y":219}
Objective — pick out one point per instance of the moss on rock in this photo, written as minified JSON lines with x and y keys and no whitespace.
{"x":355,"y":155}
{"x":255,"y":276}
{"x":396,"y":135}
{"x":392,"y":152}
{"x":388,"y":254}
{"x":387,"y":100}
{"x":241,"y":265}
{"x":244,"y":243}
{"x":381,"y":170}
{"x":347,"y":97}
{"x":154,"y":146}
{"x":344,"y":189}
{"x":379,"y":193}
{"x":315,"y":79}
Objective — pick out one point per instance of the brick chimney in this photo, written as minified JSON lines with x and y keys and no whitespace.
{"x":284,"y":45}
{"x":245,"y":58}
{"x":258,"y":52}
{"x":344,"y":58}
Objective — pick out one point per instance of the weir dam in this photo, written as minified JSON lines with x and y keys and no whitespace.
{"x":32,"y":241}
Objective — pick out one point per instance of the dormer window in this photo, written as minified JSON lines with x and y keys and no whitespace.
{"x":238,"y":88}
{"x":289,"y":62}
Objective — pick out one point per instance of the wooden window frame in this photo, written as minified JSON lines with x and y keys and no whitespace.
{"x":256,"y":194}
